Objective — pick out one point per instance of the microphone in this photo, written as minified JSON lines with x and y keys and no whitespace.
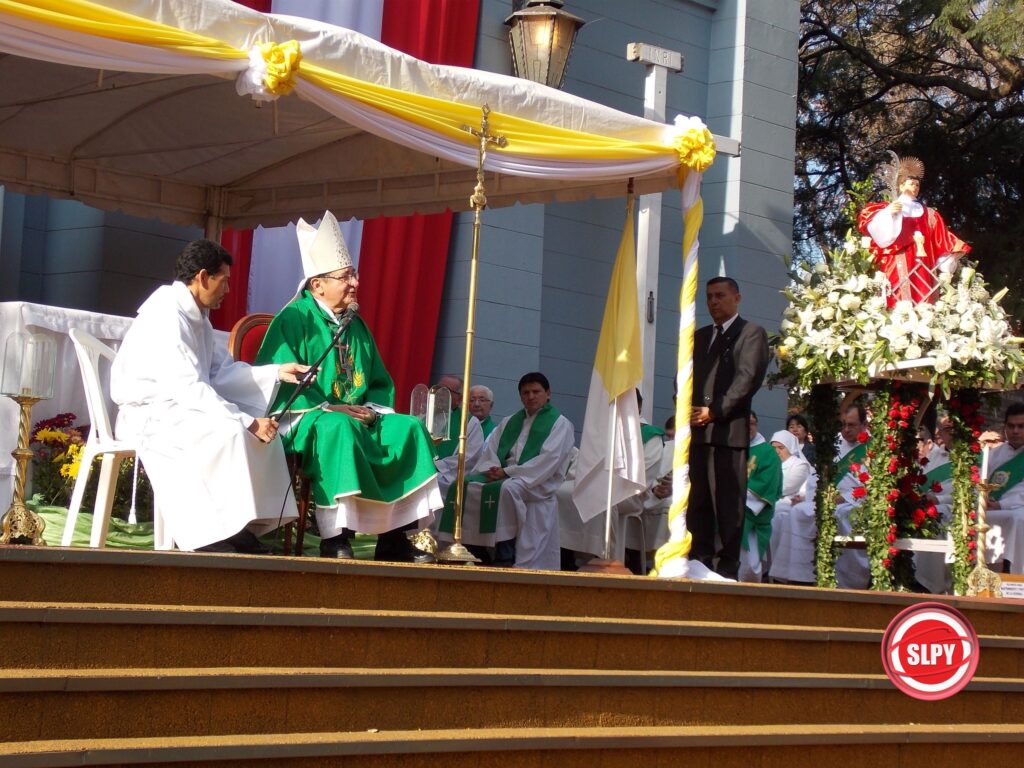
{"x":307,"y":378}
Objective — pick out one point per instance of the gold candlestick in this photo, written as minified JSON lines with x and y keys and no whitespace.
{"x":983,"y":581}
{"x":456,"y":552}
{"x":21,"y":525}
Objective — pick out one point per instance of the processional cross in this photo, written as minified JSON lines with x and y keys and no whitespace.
{"x":456,"y":552}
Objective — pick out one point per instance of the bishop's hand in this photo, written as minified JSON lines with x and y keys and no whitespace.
{"x":264,"y":429}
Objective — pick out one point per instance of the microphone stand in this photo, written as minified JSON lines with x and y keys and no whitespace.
{"x":307,"y":378}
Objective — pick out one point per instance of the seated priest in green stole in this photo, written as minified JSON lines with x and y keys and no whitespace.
{"x":1006,"y":502}
{"x":764,"y":488}
{"x":447,"y":461}
{"x":930,"y":568}
{"x":372,"y":470}
{"x":510,"y":496}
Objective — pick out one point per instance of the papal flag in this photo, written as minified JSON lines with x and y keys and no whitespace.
{"x":611,"y":442}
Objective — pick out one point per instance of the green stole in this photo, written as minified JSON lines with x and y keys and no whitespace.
{"x":764,"y":480}
{"x":1007,"y":476}
{"x":539,"y":432}
{"x":448,"y":447}
{"x":940,"y":474}
{"x":647,"y":431}
{"x":855,"y":455}
{"x":488,"y":426}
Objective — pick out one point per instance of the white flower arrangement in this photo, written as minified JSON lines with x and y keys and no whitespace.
{"x":838,"y":327}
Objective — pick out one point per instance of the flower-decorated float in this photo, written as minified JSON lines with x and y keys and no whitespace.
{"x":904,"y":327}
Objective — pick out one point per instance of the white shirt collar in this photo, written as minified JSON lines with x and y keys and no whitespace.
{"x":730,"y":321}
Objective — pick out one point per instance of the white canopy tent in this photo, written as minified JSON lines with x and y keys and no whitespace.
{"x":144,"y":106}
{"x":133,"y":105}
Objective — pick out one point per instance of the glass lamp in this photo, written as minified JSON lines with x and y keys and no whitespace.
{"x":541,"y":36}
{"x":27,"y":377}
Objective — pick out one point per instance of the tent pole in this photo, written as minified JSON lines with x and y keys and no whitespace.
{"x":456,"y":552}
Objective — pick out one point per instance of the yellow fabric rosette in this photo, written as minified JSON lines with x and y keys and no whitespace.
{"x":282,"y":60}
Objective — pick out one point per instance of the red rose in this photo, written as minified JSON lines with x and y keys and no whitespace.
{"x":919,"y":517}
{"x":863,"y":437}
{"x":936,"y":487}
{"x":891,"y":512}
{"x":891,"y":538}
{"x":972,"y":557}
{"x":886,"y":562}
{"x":893,"y":465}
{"x":863,"y":477}
{"x":855,"y":467}
{"x":892,"y":495}
{"x":893,"y":551}
{"x":924,"y":461}
{"x":860,"y":493}
{"x":972,"y":545}
{"x":975,"y":448}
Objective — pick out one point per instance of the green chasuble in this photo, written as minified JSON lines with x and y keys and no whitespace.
{"x":488,"y":426}
{"x":540,"y":430}
{"x":1007,"y":475}
{"x":341,"y":455}
{"x":764,"y":480}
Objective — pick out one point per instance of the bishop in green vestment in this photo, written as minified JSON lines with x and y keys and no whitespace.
{"x":371,"y":470}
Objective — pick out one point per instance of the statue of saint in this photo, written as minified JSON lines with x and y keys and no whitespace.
{"x":909,"y":241}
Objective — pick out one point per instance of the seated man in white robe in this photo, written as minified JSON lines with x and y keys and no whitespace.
{"x":509,"y":499}
{"x":447,"y":460}
{"x":852,"y":568}
{"x":1006,"y":503}
{"x":795,"y":528}
{"x":218,"y":473}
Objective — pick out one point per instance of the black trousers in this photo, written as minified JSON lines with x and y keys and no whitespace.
{"x":718,"y":497}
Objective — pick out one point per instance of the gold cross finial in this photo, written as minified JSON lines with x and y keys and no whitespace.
{"x":478,"y":200}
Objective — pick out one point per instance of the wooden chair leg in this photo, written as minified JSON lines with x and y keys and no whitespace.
{"x":300,"y":531}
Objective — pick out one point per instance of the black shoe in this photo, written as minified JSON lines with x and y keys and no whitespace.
{"x":244,"y":543}
{"x":337,"y":547}
{"x":398,"y":549}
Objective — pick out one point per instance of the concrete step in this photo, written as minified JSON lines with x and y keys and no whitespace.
{"x":142,"y":703}
{"x":75,"y":635}
{"x":174,"y":578}
{"x":694,"y":746}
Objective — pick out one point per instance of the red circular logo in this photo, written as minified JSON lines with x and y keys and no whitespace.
{"x":930,"y":651}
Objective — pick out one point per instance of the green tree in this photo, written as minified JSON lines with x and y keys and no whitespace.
{"x":938,"y":79}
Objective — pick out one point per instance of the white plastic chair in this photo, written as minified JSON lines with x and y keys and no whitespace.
{"x":101,"y":442}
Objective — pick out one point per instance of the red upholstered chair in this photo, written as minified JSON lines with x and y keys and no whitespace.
{"x":243,"y":343}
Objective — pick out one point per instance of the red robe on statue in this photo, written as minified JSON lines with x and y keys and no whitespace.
{"x":900,"y":258}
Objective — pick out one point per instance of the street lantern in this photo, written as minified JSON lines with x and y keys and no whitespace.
{"x":541,"y":35}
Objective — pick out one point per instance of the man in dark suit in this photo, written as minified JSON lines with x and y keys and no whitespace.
{"x":730,"y":358}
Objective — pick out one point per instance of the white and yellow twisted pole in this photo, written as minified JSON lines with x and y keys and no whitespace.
{"x":697,"y":152}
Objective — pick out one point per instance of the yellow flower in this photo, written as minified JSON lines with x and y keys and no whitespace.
{"x":282,"y":64}
{"x":73,"y":460}
{"x":51,"y":436}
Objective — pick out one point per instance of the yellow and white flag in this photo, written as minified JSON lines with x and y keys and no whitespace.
{"x":611,"y":442}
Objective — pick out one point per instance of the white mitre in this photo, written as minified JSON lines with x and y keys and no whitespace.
{"x":323,"y":248}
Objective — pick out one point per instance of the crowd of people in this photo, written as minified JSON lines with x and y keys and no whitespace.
{"x":213,"y":432}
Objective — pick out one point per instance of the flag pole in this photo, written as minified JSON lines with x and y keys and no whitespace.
{"x":609,"y":463}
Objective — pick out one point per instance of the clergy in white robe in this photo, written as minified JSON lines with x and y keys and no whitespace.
{"x":447,"y":459}
{"x":930,"y":568}
{"x":1006,"y":503}
{"x":196,"y":416}
{"x":528,"y":454}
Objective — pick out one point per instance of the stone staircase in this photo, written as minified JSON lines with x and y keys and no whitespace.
{"x":143,"y":658}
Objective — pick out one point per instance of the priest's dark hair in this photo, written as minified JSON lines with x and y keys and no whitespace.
{"x":199,"y":255}
{"x":535,"y":377}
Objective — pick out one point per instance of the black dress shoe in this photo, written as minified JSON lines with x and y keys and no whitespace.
{"x":337,"y":547}
{"x":395,"y":547}
{"x":244,"y":542}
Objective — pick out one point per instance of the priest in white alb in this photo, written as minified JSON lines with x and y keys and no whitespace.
{"x":509,"y":498}
{"x":197,"y":417}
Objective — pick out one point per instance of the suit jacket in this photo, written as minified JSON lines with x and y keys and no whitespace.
{"x":728,"y":380}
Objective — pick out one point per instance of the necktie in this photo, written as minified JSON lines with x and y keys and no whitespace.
{"x":715,"y":338}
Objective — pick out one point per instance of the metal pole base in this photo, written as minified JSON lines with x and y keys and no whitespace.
{"x":456,"y":553}
{"x":982,"y":582}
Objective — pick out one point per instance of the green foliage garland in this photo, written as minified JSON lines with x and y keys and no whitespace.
{"x":965,"y":414}
{"x":821,"y":409}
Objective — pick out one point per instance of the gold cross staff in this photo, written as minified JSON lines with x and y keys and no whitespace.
{"x":456,"y":552}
